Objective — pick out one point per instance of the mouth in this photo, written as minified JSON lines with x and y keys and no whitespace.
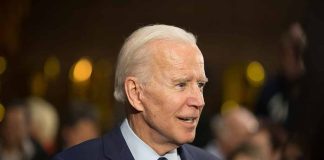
{"x":188,"y":119}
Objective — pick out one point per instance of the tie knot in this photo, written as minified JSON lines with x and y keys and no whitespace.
{"x":162,"y":158}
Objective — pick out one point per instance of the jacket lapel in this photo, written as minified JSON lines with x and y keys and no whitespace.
{"x":184,"y":153}
{"x":115,"y":147}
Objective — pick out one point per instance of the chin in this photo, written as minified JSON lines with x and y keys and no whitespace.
{"x":186,"y":138}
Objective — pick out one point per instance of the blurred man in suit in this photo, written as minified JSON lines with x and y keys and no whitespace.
{"x":160,"y":77}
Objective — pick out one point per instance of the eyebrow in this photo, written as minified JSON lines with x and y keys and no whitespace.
{"x":175,"y":80}
{"x":204,"y":79}
{"x":187,"y":79}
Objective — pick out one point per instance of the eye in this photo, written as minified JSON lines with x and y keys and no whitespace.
{"x":201,"y":85}
{"x":181,"y":85}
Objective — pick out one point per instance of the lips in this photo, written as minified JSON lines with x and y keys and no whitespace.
{"x":188,"y":119}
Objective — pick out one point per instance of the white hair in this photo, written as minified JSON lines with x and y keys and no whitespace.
{"x":134,"y":55}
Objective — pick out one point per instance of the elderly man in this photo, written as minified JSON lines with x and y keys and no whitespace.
{"x":160,"y":77}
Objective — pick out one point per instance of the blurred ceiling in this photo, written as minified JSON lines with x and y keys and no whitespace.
{"x":234,"y":29}
{"x":62,"y":26}
{"x":228,"y":32}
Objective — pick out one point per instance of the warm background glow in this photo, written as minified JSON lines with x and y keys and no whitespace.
{"x":52,"y":67}
{"x":255,"y":73}
{"x":228,"y":105}
{"x":3,"y":64}
{"x":82,"y":70}
{"x":2,"y":112}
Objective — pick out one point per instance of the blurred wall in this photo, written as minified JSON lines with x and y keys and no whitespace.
{"x":229,"y":33}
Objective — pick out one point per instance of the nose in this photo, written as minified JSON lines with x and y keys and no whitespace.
{"x":196,"y":98}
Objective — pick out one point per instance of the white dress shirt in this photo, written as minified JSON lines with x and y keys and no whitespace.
{"x":139,"y":149}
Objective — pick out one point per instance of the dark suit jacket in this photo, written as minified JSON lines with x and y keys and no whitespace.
{"x":113,"y":146}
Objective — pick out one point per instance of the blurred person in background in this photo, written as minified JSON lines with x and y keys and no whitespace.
{"x":270,"y":139}
{"x":246,"y":151}
{"x":277,"y":100}
{"x":81,"y":124}
{"x":160,"y":78}
{"x":15,"y":140}
{"x":294,"y":149}
{"x":44,"y":123}
{"x":231,"y":129}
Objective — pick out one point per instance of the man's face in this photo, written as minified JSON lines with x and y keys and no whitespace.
{"x":173,"y":97}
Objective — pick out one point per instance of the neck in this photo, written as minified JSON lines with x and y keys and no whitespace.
{"x":149,"y":135}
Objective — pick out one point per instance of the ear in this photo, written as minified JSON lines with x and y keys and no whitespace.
{"x":133,"y":91}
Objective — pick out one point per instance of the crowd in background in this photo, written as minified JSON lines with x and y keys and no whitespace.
{"x":268,"y":131}
{"x":237,"y":133}
{"x":32,"y":129}
{"x":285,"y":115}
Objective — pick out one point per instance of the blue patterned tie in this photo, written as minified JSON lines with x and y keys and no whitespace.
{"x":162,"y":158}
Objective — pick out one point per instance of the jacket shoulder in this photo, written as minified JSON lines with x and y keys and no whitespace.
{"x":88,"y":150}
{"x":197,"y":153}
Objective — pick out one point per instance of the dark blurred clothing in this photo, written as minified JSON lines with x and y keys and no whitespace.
{"x":113,"y":146}
{"x":277,"y":101}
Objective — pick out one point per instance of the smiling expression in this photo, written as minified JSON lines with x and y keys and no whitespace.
{"x":172,"y":100}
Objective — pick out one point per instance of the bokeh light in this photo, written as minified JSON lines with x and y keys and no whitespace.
{"x":255,"y":73}
{"x":82,"y":70}
{"x":2,"y":112}
{"x":228,"y":105}
{"x":52,"y":67}
{"x":3,"y":65}
{"x":38,"y":84}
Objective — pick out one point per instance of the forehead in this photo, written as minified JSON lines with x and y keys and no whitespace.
{"x":175,"y":52}
{"x":177,"y":60}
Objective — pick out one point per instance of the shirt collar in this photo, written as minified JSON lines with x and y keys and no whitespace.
{"x":139,"y":149}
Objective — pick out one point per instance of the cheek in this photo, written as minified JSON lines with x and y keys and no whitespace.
{"x":163,"y":101}
{"x":174,"y":102}
{"x":164,"y":105}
